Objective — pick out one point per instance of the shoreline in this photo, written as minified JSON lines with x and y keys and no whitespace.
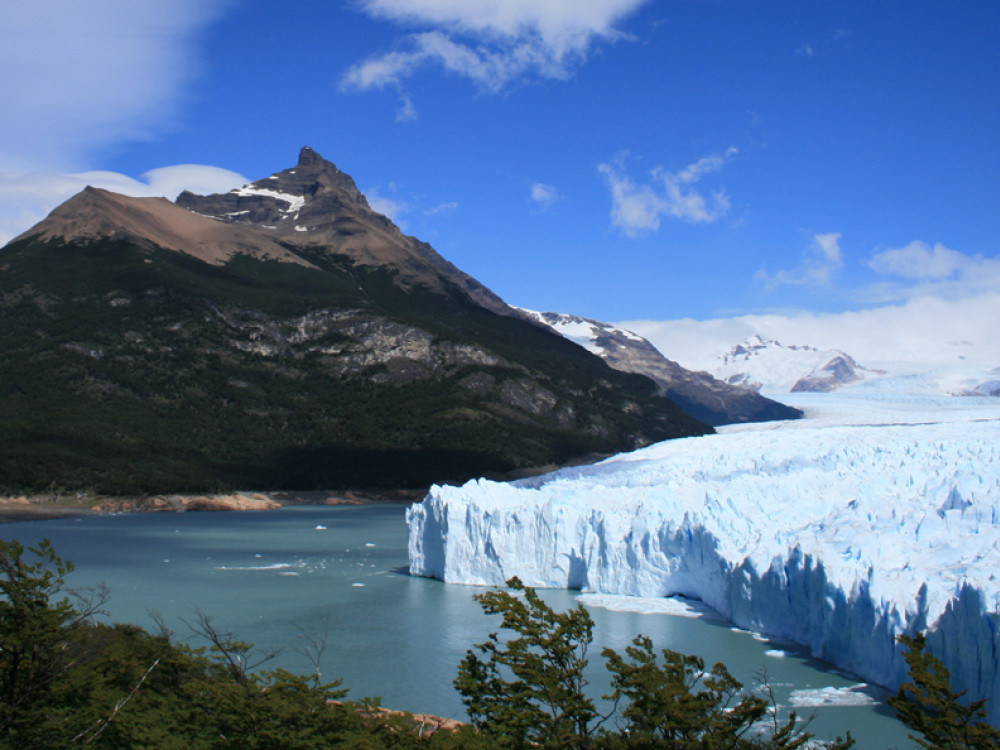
{"x":47,"y":507}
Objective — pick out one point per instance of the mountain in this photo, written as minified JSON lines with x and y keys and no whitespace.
{"x":280,"y":336}
{"x":698,"y":393}
{"x":764,"y":364}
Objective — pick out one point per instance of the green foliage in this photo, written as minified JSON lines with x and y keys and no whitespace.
{"x":928,"y":704}
{"x":529,"y":691}
{"x":68,"y":681}
{"x":677,"y":704}
{"x":36,"y":635}
{"x":544,"y":704}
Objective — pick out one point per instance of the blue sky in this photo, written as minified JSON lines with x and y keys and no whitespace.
{"x":629,"y":160}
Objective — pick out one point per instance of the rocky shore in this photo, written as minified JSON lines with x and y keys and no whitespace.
{"x":40,"y":507}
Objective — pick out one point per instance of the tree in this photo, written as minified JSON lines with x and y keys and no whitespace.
{"x":677,"y":704}
{"x":35,"y":642}
{"x":529,"y":690}
{"x":928,"y":704}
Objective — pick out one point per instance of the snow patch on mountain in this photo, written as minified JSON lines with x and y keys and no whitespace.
{"x":295,"y":202}
{"x":590,"y":334}
{"x":868,"y":519}
{"x":768,"y":366}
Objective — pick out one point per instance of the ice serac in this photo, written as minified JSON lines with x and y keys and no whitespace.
{"x":838,"y":537}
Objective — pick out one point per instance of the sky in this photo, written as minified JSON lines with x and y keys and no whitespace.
{"x":700,"y":169}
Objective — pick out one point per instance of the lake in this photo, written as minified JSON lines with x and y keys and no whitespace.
{"x":273,"y":577}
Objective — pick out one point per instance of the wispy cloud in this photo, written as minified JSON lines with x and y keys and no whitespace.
{"x":820,"y":262}
{"x":919,"y":269}
{"x":391,"y":207}
{"x":26,"y":198}
{"x":918,"y":260}
{"x":638,"y":207}
{"x":75,"y":77}
{"x":494,"y":44}
{"x":406,"y":111}
{"x":544,"y":196}
{"x":442,"y":209}
{"x":398,"y":204}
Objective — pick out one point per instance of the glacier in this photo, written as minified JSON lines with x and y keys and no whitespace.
{"x":872,"y":517}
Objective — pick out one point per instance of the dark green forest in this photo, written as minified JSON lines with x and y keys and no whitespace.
{"x":127,"y":369}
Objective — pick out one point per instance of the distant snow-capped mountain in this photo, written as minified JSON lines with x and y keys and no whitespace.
{"x":698,"y":393}
{"x":765,"y":365}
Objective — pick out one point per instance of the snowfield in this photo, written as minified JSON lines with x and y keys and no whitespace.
{"x":874,"y":516}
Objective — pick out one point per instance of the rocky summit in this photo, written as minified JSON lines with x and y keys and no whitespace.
{"x":281,"y":336}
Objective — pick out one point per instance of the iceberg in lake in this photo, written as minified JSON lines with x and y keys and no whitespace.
{"x":836,"y":533}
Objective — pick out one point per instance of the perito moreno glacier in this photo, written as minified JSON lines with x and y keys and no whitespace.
{"x":869,"y":518}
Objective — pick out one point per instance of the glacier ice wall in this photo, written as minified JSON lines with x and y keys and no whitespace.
{"x":836,"y":537}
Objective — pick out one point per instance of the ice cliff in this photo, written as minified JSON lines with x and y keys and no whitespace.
{"x":838,"y":535}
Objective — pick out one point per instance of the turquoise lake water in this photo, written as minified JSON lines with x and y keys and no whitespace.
{"x":341,"y":570}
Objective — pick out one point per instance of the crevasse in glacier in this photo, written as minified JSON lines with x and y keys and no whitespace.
{"x":836,"y":536}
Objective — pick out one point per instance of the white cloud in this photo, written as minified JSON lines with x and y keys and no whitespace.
{"x":918,"y":260}
{"x":922,"y":270}
{"x":442,"y":209}
{"x":406,"y":111}
{"x":25,"y":199}
{"x":82,"y":75}
{"x":819,"y":265}
{"x":637,"y":208}
{"x":922,"y":334}
{"x":544,"y":196}
{"x":397,"y":207}
{"x":389,"y":207}
{"x":491,"y":42}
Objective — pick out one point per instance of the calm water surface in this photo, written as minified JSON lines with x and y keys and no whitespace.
{"x":269,"y":576}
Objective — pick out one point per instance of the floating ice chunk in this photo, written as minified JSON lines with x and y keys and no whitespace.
{"x":320,"y":527}
{"x":831,"y":696}
{"x":676,"y":606}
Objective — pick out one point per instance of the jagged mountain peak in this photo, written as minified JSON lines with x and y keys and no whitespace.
{"x":292,"y":216}
{"x":313,"y":177}
{"x":306,"y":198}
